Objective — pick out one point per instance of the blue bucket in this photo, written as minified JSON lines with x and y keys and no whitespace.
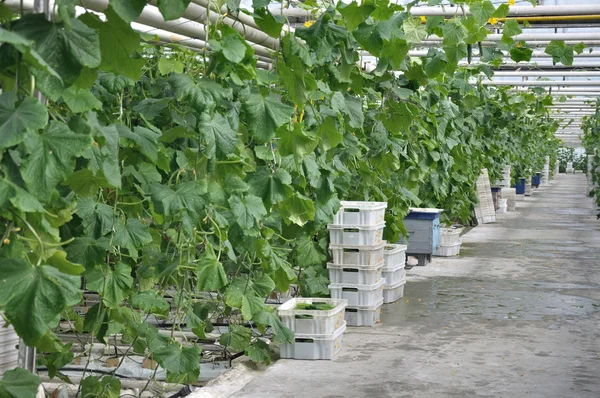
{"x":535,"y":180}
{"x":520,"y":186}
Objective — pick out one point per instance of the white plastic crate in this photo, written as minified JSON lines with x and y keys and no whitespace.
{"x":314,"y":346}
{"x":363,"y":316}
{"x":448,"y":250}
{"x":356,"y":254}
{"x":312,"y":321}
{"x":394,"y":255}
{"x":355,"y":274}
{"x":360,"y":213}
{"x":357,"y":295}
{"x":393,"y":293}
{"x":356,"y":234}
{"x":449,"y":236}
{"x":393,"y":275}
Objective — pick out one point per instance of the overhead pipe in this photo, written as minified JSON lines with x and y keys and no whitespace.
{"x":447,"y":11}
{"x":151,"y":16}
{"x":536,"y":54}
{"x":547,"y":73}
{"x":544,"y":83}
{"x":198,"y":13}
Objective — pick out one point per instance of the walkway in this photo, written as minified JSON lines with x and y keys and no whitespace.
{"x":516,"y":315}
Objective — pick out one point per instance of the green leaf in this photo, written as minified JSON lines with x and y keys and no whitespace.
{"x":323,"y":36}
{"x":80,"y":100}
{"x":354,"y":14}
{"x":172,"y":9}
{"x":133,"y":236}
{"x":88,"y":251}
{"x":145,"y":139}
{"x":560,"y":52}
{"x":187,"y":196}
{"x":128,"y":10}
{"x":501,"y":11}
{"x":32,"y":297}
{"x":482,"y":11}
{"x":455,"y":53}
{"x":237,"y":339}
{"x":151,"y":301}
{"x":266,"y":114}
{"x":52,"y":157}
{"x":166,"y":66}
{"x":20,"y":198}
{"x":454,"y":32}
{"x":414,"y":30}
{"x":298,"y":209}
{"x":118,"y":44}
{"x":233,"y":46}
{"x":248,"y":211}
{"x":15,"y":121}
{"x":269,"y":23}
{"x":579,"y":48}
{"x":177,"y":359}
{"x":435,"y":63}
{"x":60,"y":262}
{"x":98,"y":219}
{"x":331,"y":136}
{"x":204,"y":94}
{"x":151,"y":107}
{"x":19,"y":383}
{"x":219,"y":137}
{"x":281,"y":334}
{"x":107,"y":387}
{"x":519,"y":54}
{"x":211,"y":274}
{"x":511,"y":28}
{"x":113,"y":285}
{"x":308,"y":253}
{"x":355,"y":111}
{"x":258,"y":351}
{"x":66,"y":51}
{"x":272,"y":187}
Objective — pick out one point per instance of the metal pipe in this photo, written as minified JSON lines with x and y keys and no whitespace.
{"x":512,"y":11}
{"x":533,"y":37}
{"x":547,"y":73}
{"x":536,"y":54}
{"x":151,"y":16}
{"x":543,"y":83}
{"x":198,"y":13}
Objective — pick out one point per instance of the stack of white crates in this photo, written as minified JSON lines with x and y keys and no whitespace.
{"x":546,"y":172}
{"x":556,"y":167}
{"x":394,"y":274}
{"x":449,"y":242}
{"x":318,"y":325}
{"x":505,"y":177}
{"x":357,"y":248}
{"x":484,"y":211}
{"x":510,"y":194}
{"x":570,"y":169}
{"x":528,"y":188}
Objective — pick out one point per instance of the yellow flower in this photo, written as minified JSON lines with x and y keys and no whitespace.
{"x":308,"y":24}
{"x":423,"y":19}
{"x":511,"y":2}
{"x":492,"y":21}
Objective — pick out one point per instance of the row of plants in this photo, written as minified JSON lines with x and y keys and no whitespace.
{"x":189,"y":187}
{"x":591,"y":142}
{"x":566,"y":155}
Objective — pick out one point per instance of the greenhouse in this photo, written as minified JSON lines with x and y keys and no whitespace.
{"x":251,"y":198}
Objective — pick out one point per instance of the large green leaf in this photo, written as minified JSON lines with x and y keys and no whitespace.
{"x":172,"y":9}
{"x":132,"y":235}
{"x":281,"y":334}
{"x":19,"y":198}
{"x":269,"y":23}
{"x":88,"y":251}
{"x":238,"y":338}
{"x":177,"y":359}
{"x":151,"y":107}
{"x":560,"y":52}
{"x":482,"y":11}
{"x":118,"y":44}
{"x":354,"y":14}
{"x":211,"y":274}
{"x":15,"y":121}
{"x":145,"y":140}
{"x":32,"y":297}
{"x":52,"y":157}
{"x":219,"y":137}
{"x":203,"y":94}
{"x":266,"y":114}
{"x":98,"y":219}
{"x":65,"y":50}
{"x":187,"y":196}
{"x":271,"y":186}
{"x":19,"y":383}
{"x":107,"y":387}
{"x":323,"y":36}
{"x":308,"y":253}
{"x":298,"y":209}
{"x":80,"y":100}
{"x":414,"y":30}
{"x":128,"y":10}
{"x":248,"y":211}
{"x":113,"y":285}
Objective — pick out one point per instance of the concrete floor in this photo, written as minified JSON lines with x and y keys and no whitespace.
{"x":517,"y":314}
